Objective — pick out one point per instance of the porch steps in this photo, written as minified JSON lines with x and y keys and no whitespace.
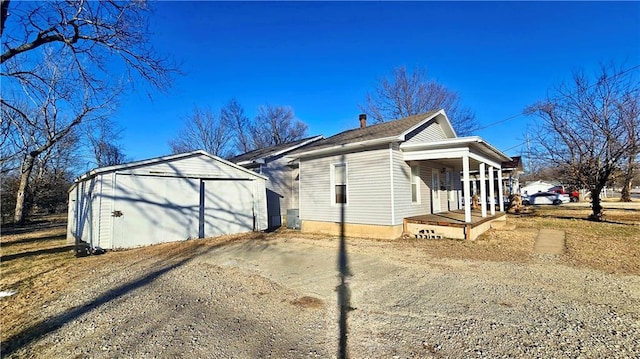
{"x":428,"y":234}
{"x":502,"y":226}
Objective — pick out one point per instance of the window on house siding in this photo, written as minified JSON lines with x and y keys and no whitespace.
{"x":340,"y":183}
{"x":415,"y":184}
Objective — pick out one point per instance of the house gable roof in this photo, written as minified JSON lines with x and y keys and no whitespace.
{"x":151,"y":161}
{"x":386,"y":132}
{"x":515,"y":163}
{"x":266,"y":153}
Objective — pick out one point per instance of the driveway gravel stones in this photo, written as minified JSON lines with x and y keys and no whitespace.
{"x":277,"y":298}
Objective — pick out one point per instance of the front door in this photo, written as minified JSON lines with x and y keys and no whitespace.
{"x":435,"y":191}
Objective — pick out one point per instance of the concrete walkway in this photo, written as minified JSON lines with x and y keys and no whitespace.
{"x":549,"y":241}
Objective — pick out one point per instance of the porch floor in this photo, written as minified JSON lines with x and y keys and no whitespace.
{"x":453,"y":218}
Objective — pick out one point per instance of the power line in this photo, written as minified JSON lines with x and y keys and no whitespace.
{"x":499,"y":122}
{"x":522,"y":114}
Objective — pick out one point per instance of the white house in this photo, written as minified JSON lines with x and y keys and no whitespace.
{"x":276,"y":164}
{"x":409,"y":175}
{"x":165,"y":199}
{"x":536,"y":186}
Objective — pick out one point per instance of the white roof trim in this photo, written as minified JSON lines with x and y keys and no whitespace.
{"x":456,"y":142}
{"x":150,"y":161}
{"x":262,"y":160}
{"x":447,"y":124}
{"x":313,"y":139}
{"x":348,"y":146}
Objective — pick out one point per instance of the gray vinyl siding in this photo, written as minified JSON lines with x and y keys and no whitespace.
{"x":402,"y":188}
{"x":195,"y":166}
{"x":431,"y":131}
{"x":282,"y":189}
{"x":368,"y":188}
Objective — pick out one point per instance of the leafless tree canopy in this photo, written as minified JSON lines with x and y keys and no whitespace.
{"x":587,"y":128}
{"x":233,"y":114}
{"x":204,"y":130}
{"x":65,"y":63}
{"x":410,"y":93}
{"x":231,"y":132}
{"x":276,"y":125}
{"x":95,"y":33}
{"x":102,"y":137}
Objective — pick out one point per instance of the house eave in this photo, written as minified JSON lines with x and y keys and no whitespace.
{"x":348,"y":147}
{"x":453,"y":142}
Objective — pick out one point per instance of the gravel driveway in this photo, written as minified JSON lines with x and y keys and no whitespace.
{"x":277,"y":299}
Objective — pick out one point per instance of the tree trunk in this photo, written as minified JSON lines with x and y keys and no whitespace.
{"x":595,"y":205}
{"x":626,"y":191}
{"x":628,"y":178}
{"x":19,"y":216}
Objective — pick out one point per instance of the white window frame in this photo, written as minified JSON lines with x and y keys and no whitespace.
{"x":415,"y":182}
{"x":334,"y":184}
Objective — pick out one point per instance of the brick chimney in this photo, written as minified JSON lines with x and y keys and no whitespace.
{"x":363,"y":120}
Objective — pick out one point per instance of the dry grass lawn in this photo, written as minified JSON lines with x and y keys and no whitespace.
{"x":38,"y":265}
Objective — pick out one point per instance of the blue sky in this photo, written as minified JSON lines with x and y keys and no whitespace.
{"x":321,"y":58}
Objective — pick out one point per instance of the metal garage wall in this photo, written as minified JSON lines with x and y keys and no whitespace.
{"x":160,"y":200}
{"x":153,"y":209}
{"x":228,"y":207}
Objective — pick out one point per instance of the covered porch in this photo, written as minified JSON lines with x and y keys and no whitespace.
{"x":467,"y":155}
{"x":451,"y":224}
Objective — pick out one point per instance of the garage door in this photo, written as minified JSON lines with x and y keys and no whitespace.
{"x":227,"y":207}
{"x":155,"y":210}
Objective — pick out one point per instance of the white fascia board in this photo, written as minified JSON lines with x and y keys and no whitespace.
{"x":403,"y":135}
{"x":439,"y":143}
{"x":155,"y":160}
{"x":96,"y":171}
{"x":436,"y":154}
{"x":486,"y":160}
{"x":446,"y":124}
{"x":347,"y":147}
{"x":474,"y":141}
{"x":289,"y":149}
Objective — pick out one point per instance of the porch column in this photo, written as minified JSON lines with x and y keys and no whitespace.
{"x":492,"y":192}
{"x":500,"y":192}
{"x":466,"y":188}
{"x":483,"y":190}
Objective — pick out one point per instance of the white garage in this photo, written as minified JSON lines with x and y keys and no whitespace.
{"x":165,"y":199}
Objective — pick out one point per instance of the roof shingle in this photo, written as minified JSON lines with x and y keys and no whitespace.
{"x":382,"y":130}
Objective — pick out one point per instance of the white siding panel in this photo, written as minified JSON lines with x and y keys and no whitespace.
{"x":195,"y":166}
{"x":84,"y":228}
{"x":228,"y":207}
{"x":402,"y":187}
{"x":280,"y":189}
{"x":368,"y":188}
{"x":105,"y":219}
{"x":155,"y":210}
{"x":431,"y":131}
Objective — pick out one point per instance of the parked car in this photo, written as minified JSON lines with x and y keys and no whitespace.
{"x":546,"y":198}
{"x":574,"y":195}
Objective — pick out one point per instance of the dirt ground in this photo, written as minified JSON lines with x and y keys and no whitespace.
{"x":408,"y":298}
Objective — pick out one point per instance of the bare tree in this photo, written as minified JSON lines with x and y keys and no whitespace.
{"x":103,"y":139}
{"x":630,"y":108}
{"x":203,"y":130}
{"x":582,"y":128}
{"x":275,"y":125}
{"x":410,"y":93}
{"x":233,"y":114}
{"x":47,"y":118}
{"x":58,"y":60}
